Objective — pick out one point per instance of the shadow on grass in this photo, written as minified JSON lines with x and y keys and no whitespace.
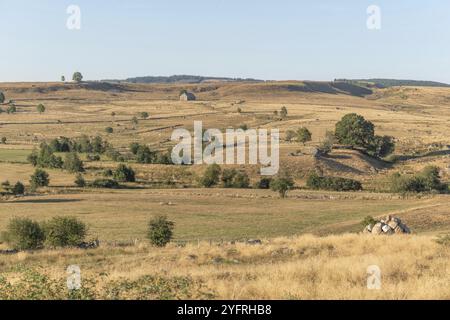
{"x":47,"y":200}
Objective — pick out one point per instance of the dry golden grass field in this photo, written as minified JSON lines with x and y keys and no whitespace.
{"x":307,"y":251}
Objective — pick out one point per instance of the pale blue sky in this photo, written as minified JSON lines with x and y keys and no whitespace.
{"x":296,"y":39}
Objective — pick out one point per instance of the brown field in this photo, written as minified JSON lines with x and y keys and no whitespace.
{"x":289,"y":264}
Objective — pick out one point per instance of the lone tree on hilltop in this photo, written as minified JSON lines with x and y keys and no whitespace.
{"x":77,"y":77}
{"x":354,"y":130}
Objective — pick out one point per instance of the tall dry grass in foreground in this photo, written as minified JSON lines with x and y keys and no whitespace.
{"x":305,"y":267}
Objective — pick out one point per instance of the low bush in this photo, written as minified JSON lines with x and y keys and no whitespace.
{"x":160,"y":231}
{"x":428,"y":180}
{"x":105,"y":183}
{"x":23,"y":234}
{"x":64,"y":232}
{"x":124,"y":174}
{"x":211,"y":176}
{"x":263,"y":183}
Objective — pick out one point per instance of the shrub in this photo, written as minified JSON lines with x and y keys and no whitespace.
{"x":45,"y":158}
{"x":124,"y":174}
{"x":40,"y":108}
{"x":283,"y":112}
{"x":303,"y":135}
{"x":382,"y":146}
{"x":2,"y":97}
{"x":327,"y":144}
{"x":23,"y":234}
{"x":108,"y":173}
{"x":211,"y":176}
{"x":39,"y":179}
{"x":18,"y":188}
{"x":144,"y":115}
{"x":77,"y":77}
{"x":72,"y":163}
{"x":134,"y":147}
{"x":109,"y":130}
{"x":241,"y":180}
{"x":160,"y":231}
{"x":235,"y":179}
{"x":369,"y":220}
{"x":105,"y":183}
{"x":227,"y":177}
{"x":317,"y":182}
{"x":289,"y":135}
{"x":64,"y":232}
{"x":144,"y":155}
{"x":3,"y":140}
{"x":427,"y":180}
{"x":79,"y":181}
{"x":282,"y":185}
{"x":93,"y":157}
{"x":114,"y":155}
{"x":11,"y":109}
{"x":263,"y":183}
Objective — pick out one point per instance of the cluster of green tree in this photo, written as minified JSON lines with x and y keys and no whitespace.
{"x":83,"y":144}
{"x":143,"y":154}
{"x":317,"y":182}
{"x":230,"y":178}
{"x":26,"y":234}
{"x":17,"y":189}
{"x":45,"y":158}
{"x":428,"y":180}
{"x":356,"y":131}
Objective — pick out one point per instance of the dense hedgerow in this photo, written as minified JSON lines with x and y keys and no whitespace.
{"x":317,"y":182}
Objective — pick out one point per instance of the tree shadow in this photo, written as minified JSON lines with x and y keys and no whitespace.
{"x":47,"y":200}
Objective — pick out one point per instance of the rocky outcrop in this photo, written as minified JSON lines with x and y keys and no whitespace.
{"x":388,"y":226}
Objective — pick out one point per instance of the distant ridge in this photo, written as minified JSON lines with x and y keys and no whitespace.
{"x":179,"y":79}
{"x":386,"y":83}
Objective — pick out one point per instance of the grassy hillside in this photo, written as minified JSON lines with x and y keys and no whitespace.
{"x":306,"y":267}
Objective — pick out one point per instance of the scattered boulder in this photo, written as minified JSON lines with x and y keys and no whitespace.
{"x":388,"y":226}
